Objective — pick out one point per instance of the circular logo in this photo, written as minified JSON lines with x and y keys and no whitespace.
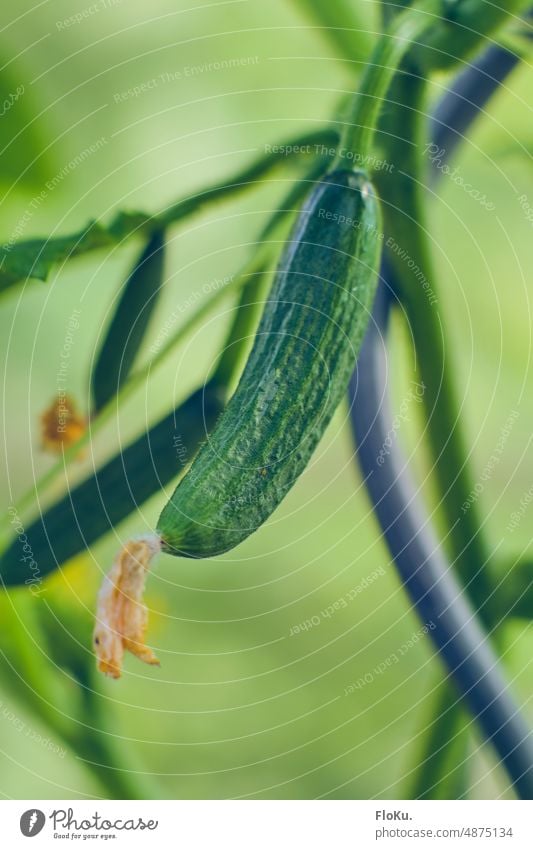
{"x":32,"y":822}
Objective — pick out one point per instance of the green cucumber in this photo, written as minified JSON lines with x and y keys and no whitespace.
{"x":296,"y":375}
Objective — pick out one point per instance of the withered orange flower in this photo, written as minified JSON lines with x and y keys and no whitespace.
{"x":61,"y":424}
{"x":121,"y":617}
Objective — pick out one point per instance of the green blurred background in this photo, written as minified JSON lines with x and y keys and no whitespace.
{"x":240,"y":707}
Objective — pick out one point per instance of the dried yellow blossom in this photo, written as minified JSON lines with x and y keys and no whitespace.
{"x":121,"y":617}
{"x":61,"y":424}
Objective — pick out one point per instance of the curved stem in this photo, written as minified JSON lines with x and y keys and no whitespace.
{"x":427,"y":577}
{"x":381,"y":70}
{"x":415,"y":283}
{"x":456,"y":112}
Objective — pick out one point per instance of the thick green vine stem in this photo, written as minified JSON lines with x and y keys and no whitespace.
{"x":380,"y":71}
{"x":465,"y":25}
{"x":404,"y":216}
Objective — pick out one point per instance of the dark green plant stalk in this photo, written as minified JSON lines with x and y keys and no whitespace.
{"x":441,"y":772}
{"x":35,"y":258}
{"x":129,"y":323}
{"x":515,"y":590}
{"x":405,"y":222}
{"x":466,"y":26}
{"x":462,"y":28}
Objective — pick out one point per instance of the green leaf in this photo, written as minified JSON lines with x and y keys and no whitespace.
{"x":22,"y":157}
{"x":35,"y":258}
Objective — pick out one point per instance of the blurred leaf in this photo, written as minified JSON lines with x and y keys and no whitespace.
{"x":514,"y":594}
{"x":35,"y":258}
{"x":22,"y":160}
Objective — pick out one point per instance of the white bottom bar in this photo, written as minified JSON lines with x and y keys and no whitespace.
{"x":268,"y":824}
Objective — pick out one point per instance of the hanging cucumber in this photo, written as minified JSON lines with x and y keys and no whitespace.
{"x":296,"y":375}
{"x":305,"y":349}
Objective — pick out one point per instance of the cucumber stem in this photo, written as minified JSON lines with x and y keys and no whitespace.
{"x":384,"y":62}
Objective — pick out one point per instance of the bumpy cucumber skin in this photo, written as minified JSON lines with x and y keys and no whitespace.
{"x":296,"y":375}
